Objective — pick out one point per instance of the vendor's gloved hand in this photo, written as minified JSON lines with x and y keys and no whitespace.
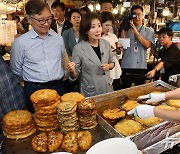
{"x":152,"y":97}
{"x":142,"y":111}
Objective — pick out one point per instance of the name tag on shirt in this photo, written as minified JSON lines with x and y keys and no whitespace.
{"x":135,"y":49}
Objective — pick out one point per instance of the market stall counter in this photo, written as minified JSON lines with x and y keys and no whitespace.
{"x":150,"y":139}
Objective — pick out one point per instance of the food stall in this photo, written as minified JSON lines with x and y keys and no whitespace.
{"x":149,"y":140}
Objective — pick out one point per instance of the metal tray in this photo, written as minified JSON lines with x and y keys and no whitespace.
{"x":149,"y":136}
{"x":23,"y":146}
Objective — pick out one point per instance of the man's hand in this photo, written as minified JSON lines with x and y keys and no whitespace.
{"x":142,"y":111}
{"x":152,"y":97}
{"x":133,"y":28}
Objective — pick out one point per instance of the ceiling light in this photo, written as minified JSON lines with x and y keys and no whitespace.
{"x":91,"y":7}
{"x":98,"y":7}
{"x":166,"y":11}
{"x":115,"y":11}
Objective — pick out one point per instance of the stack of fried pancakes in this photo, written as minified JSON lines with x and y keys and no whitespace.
{"x":72,"y":96}
{"x":45,"y":102}
{"x":67,"y":116}
{"x":87,"y":114}
{"x":18,"y":124}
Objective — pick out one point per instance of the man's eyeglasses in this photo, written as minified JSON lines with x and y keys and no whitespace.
{"x":43,"y":21}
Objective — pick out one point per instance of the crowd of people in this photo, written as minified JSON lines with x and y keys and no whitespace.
{"x":79,"y":51}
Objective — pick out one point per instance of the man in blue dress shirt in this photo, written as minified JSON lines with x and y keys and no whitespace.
{"x":38,"y":56}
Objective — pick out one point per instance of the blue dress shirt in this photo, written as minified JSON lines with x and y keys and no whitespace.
{"x":36,"y":59}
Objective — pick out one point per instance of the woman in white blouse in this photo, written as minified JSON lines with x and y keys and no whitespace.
{"x":115,"y":73}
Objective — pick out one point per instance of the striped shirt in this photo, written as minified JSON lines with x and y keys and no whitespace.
{"x":11,"y":92}
{"x":36,"y":59}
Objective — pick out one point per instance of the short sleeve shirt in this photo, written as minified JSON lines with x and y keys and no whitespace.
{"x":171,"y":60}
{"x":137,"y":60}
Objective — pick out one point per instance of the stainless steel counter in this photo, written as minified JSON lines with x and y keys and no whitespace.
{"x":151,"y":141}
{"x":23,"y":146}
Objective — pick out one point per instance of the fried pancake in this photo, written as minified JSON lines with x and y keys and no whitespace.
{"x":174,"y":103}
{"x":48,"y":128}
{"x":129,"y":105}
{"x":72,"y":96}
{"x":113,"y":113}
{"x":67,"y":107}
{"x":20,"y":136}
{"x":87,"y":112}
{"x":90,"y":118}
{"x":44,"y":96}
{"x":69,"y":123}
{"x":49,"y":107}
{"x":12,"y":129}
{"x":84,"y":140}
{"x":54,"y":140}
{"x":67,"y":129}
{"x":45,"y":118}
{"x":151,"y":121}
{"x":19,"y":132}
{"x":90,"y":126}
{"x":87,"y":104}
{"x":87,"y":123}
{"x":69,"y":143}
{"x":166,"y":107}
{"x":46,"y":123}
{"x":71,"y":117}
{"x":17,"y":117}
{"x":128,"y":127}
{"x":45,"y":112}
{"x":40,"y":142}
{"x":46,"y":106}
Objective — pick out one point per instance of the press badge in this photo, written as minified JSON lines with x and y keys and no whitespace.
{"x":135,"y":49}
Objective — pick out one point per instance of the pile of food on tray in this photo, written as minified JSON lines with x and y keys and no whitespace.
{"x":18,"y":124}
{"x":116,"y":116}
{"x":60,"y":120}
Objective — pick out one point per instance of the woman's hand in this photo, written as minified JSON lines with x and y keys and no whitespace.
{"x":105,"y":67}
{"x":151,"y":74}
{"x":71,"y":67}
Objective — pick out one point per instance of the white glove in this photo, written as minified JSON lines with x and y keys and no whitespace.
{"x":142,"y":111}
{"x":152,"y":97}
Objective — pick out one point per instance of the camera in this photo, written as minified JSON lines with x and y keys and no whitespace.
{"x":127,"y":17}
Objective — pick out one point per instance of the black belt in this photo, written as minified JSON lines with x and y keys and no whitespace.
{"x":54,"y":82}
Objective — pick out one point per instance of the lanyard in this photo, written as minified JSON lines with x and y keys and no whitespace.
{"x":135,"y":38}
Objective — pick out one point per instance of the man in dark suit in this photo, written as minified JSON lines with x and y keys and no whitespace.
{"x":59,"y":24}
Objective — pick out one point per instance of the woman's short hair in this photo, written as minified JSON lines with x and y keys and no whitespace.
{"x":107,"y":16}
{"x":35,"y":7}
{"x":85,"y":24}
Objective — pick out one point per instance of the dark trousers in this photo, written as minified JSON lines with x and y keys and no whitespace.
{"x":71,"y":86}
{"x":136,"y":76}
{"x":117,"y":84}
{"x":31,"y":87}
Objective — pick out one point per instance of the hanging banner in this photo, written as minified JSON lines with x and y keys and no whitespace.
{"x":7,"y":32}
